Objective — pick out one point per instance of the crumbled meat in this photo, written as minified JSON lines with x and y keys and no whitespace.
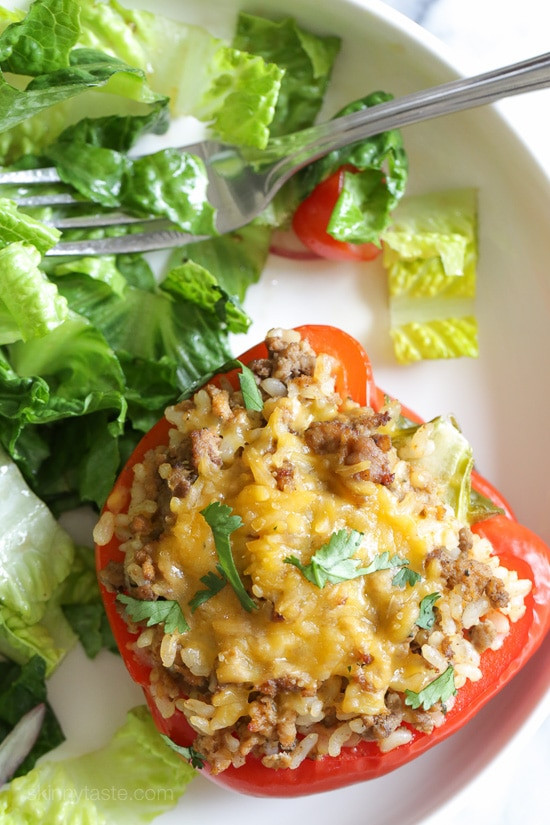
{"x":289,"y":359}
{"x":221,"y":406}
{"x":205,"y":444}
{"x":112,"y":576}
{"x":354,"y":441}
{"x":325,"y":436}
{"x":180,"y":481}
{"x":143,"y":558}
{"x":423,"y":721}
{"x":214,"y":749}
{"x":381,"y":725}
{"x":385,"y":723}
{"x":286,"y":727}
{"x":483,"y":635}
{"x":263,"y":716}
{"x":474,"y":579}
{"x":287,"y":683}
{"x":182,"y":472}
{"x":143,"y":591}
{"x":169,"y":473}
{"x":284,"y":476}
{"x":465,"y":539}
{"x":248,"y":741}
{"x":261,"y":367}
{"x":496,"y":592}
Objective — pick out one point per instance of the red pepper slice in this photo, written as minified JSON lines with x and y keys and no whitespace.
{"x":517,"y":547}
{"x":312,"y":217}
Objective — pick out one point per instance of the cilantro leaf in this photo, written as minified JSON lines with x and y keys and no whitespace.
{"x":426,"y":617}
{"x":383,"y":561}
{"x":440,"y":690}
{"x":194,"y":757}
{"x":222,"y":523}
{"x":333,"y":561}
{"x":251,"y":394}
{"x":214,"y":583}
{"x":405,"y":576}
{"x":156,"y":612}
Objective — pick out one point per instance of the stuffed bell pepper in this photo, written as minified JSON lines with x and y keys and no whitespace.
{"x":312,"y":586}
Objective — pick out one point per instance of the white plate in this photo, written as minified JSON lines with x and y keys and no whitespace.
{"x":501,"y":399}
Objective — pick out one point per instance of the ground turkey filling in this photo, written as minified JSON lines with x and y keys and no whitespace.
{"x":311,"y":666}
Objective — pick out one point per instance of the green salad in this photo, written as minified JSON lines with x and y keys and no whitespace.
{"x":92,"y":349}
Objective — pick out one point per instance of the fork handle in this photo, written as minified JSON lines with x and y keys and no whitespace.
{"x":467,"y":93}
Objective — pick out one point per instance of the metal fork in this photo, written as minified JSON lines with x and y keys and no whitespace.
{"x":241,"y":184}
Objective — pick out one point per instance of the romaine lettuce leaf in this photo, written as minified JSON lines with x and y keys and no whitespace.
{"x":101,"y":267}
{"x":437,"y":338}
{"x":203,"y":76}
{"x":64,"y":400}
{"x":169,"y":183}
{"x":71,"y":374}
{"x":307,"y":60}
{"x":72,"y":408}
{"x":82,"y":605}
{"x":8,"y":16}
{"x":50,"y":638}
{"x":134,"y":778}
{"x":215,"y":274}
{"x":441,"y":225}
{"x":142,"y":57}
{"x":361,"y":212}
{"x":44,"y":44}
{"x":194,"y":283}
{"x":449,"y":460}
{"x":23,"y":48}
{"x":88,"y":70}
{"x":30,"y":304}
{"x":90,"y":624}
{"x":16,"y":225}
{"x":150,"y":326}
{"x":430,"y":254}
{"x":36,"y":555}
{"x":240,"y":112}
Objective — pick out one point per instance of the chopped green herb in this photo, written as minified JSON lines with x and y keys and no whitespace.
{"x":251,"y":394}
{"x":405,"y":577}
{"x":440,"y":690}
{"x":194,"y":757}
{"x":222,"y":523}
{"x":214,"y":583}
{"x":384,"y":562}
{"x":156,"y":612}
{"x":333,"y":561}
{"x":426,"y":617}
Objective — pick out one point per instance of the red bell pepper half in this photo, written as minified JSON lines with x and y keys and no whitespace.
{"x":517,"y":547}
